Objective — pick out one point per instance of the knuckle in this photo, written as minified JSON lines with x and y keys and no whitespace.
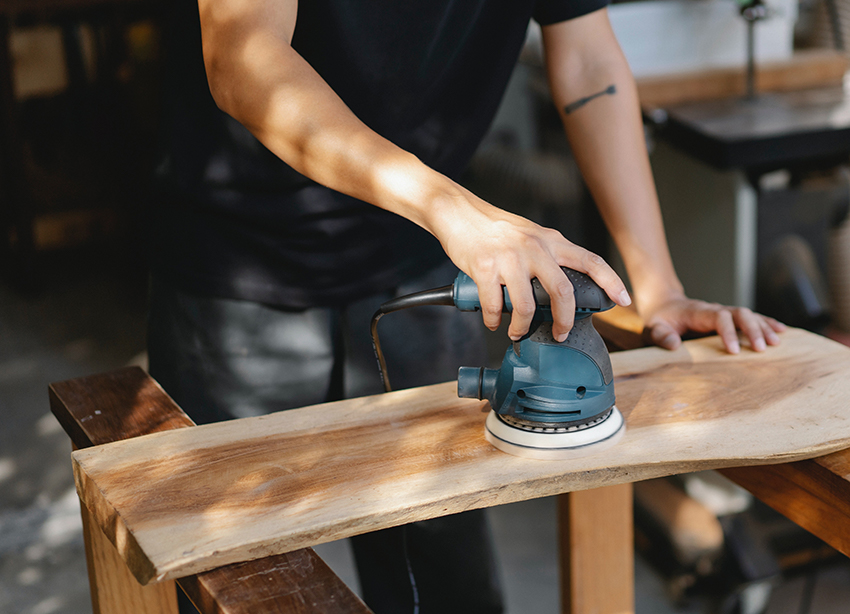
{"x":553,"y":234}
{"x":563,"y":290}
{"x":594,"y":261}
{"x":486,"y":268}
{"x":491,"y":311}
{"x":525,"y":308}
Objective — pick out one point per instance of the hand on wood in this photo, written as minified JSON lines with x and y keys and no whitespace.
{"x":671,"y":319}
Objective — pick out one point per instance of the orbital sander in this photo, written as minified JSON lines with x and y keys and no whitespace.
{"x":549,"y":399}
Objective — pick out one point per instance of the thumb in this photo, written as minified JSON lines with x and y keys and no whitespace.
{"x":665,"y":336}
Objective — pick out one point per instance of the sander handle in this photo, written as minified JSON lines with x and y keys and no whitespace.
{"x":589,"y":297}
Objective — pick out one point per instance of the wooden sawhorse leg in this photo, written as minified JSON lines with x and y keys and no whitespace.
{"x":114,"y":590}
{"x":597,"y":551}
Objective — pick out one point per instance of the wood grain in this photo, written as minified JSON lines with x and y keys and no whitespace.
{"x":806,"y":69}
{"x":597,"y":551}
{"x":188,"y":500}
{"x":127,"y":403}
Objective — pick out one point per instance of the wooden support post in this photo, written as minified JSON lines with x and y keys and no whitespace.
{"x":114,"y":590}
{"x":128,"y":403}
{"x":597,"y":551}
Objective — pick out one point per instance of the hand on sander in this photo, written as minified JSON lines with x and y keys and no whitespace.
{"x":549,"y":399}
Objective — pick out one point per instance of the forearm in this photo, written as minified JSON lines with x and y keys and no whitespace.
{"x":607,"y":138}
{"x":259,"y":79}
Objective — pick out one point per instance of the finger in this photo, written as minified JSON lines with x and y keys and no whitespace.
{"x":769,"y":334}
{"x":701,"y":317}
{"x":594,"y":265}
{"x":562,"y":300}
{"x":750,"y":324}
{"x":523,"y":304}
{"x":776,"y":325}
{"x":663,"y":335}
{"x":491,"y":300}
{"x":725,"y":325}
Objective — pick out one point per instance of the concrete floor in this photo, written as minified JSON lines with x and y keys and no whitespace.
{"x":89,"y":318}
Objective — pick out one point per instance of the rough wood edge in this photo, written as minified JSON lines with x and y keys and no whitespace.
{"x":302,"y":587}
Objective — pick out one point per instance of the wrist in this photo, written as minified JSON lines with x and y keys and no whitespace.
{"x":417,"y":192}
{"x":651,"y":292}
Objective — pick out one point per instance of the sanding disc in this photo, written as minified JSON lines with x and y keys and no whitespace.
{"x":556,"y":445}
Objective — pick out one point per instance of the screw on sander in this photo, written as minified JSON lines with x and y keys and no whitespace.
{"x":549,"y":399}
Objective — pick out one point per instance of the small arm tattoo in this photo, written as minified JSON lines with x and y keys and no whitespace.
{"x":574,"y":106}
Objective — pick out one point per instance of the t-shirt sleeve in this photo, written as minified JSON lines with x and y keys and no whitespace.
{"x":552,"y":11}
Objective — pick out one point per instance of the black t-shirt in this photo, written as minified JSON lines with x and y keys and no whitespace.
{"x":232,"y":220}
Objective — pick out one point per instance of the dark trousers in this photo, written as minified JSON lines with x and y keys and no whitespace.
{"x":222,"y":359}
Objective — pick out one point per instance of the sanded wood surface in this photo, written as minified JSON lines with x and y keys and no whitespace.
{"x":127,"y":403}
{"x":192,"y":499}
{"x":806,"y":69}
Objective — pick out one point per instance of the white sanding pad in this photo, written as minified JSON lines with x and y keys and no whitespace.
{"x":555,"y":446}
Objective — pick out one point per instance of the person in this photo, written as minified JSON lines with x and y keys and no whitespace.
{"x":310,"y":173}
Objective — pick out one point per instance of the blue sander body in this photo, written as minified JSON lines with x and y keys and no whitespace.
{"x":548,"y":399}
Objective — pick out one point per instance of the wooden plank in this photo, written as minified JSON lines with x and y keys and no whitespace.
{"x":112,"y":406}
{"x":293,"y":583}
{"x":806,"y":69}
{"x":192,"y":499}
{"x":597,"y":551}
{"x":128,"y":403}
{"x":814,"y":493}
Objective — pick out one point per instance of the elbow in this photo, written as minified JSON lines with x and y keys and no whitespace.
{"x":216,"y":69}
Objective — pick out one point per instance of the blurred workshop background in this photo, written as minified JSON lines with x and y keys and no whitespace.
{"x":747,"y":117}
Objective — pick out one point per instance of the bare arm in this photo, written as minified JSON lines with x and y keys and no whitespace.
{"x":596,"y":96}
{"x":258,"y":78}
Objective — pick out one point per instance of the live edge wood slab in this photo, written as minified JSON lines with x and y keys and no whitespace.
{"x":189,"y":500}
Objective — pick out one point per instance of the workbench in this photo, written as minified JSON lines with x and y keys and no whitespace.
{"x":806,"y":372}
{"x":708,"y":164}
